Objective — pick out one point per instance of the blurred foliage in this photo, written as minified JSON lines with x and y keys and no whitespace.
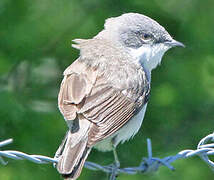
{"x":35,"y":38}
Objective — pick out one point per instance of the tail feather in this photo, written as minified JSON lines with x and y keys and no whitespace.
{"x":73,"y":154}
{"x":78,"y":168}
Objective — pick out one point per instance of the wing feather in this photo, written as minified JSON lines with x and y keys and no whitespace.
{"x":111,"y":116}
{"x":86,"y":95}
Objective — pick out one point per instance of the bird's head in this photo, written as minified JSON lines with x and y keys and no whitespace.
{"x":141,"y":36}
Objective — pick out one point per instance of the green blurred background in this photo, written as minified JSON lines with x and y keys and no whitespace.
{"x":35,"y":39}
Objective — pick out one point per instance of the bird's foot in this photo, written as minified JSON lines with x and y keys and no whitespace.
{"x":113,"y":170}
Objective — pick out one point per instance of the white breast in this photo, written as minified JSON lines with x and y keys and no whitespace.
{"x":125,"y":133}
{"x":131,"y":128}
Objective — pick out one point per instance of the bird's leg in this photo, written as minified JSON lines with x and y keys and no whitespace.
{"x":116,"y":165}
{"x":117,"y":162}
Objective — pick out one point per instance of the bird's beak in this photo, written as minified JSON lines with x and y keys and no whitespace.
{"x":174,"y":43}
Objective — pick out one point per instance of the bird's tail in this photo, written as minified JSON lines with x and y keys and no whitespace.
{"x":74,"y":152}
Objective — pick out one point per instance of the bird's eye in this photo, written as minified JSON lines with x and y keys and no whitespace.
{"x":146,"y":37}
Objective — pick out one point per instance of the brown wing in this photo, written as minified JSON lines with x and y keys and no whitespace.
{"x":85,"y":95}
{"x":76,"y":85}
{"x":108,"y":109}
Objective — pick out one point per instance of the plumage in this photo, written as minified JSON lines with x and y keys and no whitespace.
{"x":104,"y":93}
{"x":90,"y":94}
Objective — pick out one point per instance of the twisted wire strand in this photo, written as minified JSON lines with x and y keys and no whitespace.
{"x":149,"y":164}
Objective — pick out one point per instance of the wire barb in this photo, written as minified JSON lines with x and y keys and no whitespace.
{"x":6,"y":142}
{"x":149,"y":164}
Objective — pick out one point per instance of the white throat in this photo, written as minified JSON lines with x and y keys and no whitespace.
{"x":149,"y":56}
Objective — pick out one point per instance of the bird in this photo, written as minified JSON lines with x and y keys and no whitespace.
{"x":104,"y":93}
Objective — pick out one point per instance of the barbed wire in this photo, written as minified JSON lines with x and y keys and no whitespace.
{"x":149,"y":164}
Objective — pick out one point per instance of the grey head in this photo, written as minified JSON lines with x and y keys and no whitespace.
{"x":142,"y":37}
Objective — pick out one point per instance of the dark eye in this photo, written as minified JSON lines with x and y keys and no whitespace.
{"x":146,"y":37}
